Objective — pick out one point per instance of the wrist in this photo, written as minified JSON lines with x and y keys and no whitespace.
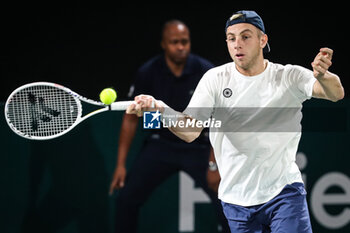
{"x":212,"y":166}
{"x":169,"y":115}
{"x":120,"y":164}
{"x":323,"y":77}
{"x":161,"y":106}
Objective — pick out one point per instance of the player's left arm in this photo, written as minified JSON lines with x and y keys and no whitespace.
{"x":328,"y":85}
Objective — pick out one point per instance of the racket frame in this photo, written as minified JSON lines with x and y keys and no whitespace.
{"x":116,"y":106}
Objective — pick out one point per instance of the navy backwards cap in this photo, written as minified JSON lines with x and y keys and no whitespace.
{"x":250,"y":17}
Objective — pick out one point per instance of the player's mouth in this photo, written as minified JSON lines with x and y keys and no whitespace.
{"x":239,"y":55}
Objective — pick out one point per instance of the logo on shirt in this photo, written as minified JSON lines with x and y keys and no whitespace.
{"x":227,"y":92}
{"x":151,"y":120}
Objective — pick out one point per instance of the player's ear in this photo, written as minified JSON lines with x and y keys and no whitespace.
{"x":263,"y":40}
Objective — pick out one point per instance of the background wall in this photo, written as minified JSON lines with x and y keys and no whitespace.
{"x":62,"y":185}
{"x":89,"y":45}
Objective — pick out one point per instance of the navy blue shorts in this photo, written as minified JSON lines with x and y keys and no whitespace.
{"x":287,"y":212}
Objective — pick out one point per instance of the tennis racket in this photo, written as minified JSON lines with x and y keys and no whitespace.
{"x":43,"y":110}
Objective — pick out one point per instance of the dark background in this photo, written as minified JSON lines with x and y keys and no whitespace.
{"x":88,"y":45}
{"x":62,"y":184}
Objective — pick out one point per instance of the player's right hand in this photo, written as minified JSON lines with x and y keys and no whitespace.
{"x":118,"y":179}
{"x":145,"y":103}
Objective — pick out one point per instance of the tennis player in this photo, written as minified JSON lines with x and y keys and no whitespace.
{"x":261,"y":188}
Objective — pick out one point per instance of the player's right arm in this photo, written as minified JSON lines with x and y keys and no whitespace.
{"x":200,"y":108}
{"x":188,"y":134}
{"x":148,"y":103}
{"x":127,"y":133}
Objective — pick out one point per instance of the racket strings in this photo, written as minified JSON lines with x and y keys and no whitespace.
{"x":42,"y":111}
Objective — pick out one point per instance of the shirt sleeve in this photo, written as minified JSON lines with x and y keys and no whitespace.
{"x":202,"y":102}
{"x":300,"y":82}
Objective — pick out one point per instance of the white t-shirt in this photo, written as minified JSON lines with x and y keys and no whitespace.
{"x":255,"y":147}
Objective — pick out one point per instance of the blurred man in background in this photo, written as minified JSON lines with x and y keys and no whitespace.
{"x":172,"y":77}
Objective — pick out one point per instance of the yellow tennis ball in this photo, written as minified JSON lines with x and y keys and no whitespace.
{"x":108,"y":96}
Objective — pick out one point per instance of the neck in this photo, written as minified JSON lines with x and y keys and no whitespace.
{"x":256,"y":67}
{"x":175,"y":68}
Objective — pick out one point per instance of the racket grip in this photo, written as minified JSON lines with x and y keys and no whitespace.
{"x":121,"y":105}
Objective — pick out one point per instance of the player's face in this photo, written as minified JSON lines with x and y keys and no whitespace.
{"x":245,"y":43}
{"x":176,"y":43}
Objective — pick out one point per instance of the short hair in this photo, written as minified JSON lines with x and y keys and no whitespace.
{"x":236,"y":16}
{"x":240,"y":15}
{"x":172,"y":22}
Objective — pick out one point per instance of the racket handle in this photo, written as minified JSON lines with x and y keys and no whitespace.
{"x":120,"y":106}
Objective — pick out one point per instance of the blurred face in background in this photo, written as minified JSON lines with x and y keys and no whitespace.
{"x":176,"y":43}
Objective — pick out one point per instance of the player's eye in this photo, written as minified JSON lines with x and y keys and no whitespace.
{"x":245,"y":37}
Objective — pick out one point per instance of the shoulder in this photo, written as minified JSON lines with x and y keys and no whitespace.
{"x":289,"y":70}
{"x":196,"y":60}
{"x":221,"y":71}
{"x":297,"y":79}
{"x":152,"y":63}
{"x":289,"y":74}
{"x":218,"y":75}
